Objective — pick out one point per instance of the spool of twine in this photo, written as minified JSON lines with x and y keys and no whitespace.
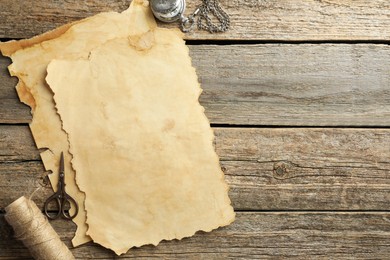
{"x":34,"y":230}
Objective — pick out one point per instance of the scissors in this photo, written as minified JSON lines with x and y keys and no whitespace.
{"x":61,"y":197}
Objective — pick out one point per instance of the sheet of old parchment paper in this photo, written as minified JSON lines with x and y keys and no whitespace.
{"x":30,"y":59}
{"x":141,"y":144}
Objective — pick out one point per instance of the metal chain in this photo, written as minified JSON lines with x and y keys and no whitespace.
{"x":204,"y":21}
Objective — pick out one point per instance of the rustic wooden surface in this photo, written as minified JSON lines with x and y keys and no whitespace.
{"x":251,"y":19}
{"x":325,"y":169}
{"x":278,"y":84}
{"x":300,"y":109}
{"x":256,"y":235}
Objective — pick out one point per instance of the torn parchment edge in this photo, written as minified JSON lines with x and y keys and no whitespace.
{"x":221,"y":173}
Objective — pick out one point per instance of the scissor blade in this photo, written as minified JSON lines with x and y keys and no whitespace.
{"x":62,"y":163}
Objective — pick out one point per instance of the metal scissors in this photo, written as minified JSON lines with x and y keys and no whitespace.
{"x":61,"y":198}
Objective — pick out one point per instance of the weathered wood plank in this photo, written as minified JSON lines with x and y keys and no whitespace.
{"x":11,"y":110}
{"x":267,"y":169}
{"x":7,"y":90}
{"x":17,"y":144}
{"x":253,"y":235}
{"x":251,"y":20}
{"x":247,"y":191}
{"x":271,"y":84}
{"x":295,"y":84}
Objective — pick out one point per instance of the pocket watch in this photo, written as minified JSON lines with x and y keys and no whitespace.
{"x":169,"y":11}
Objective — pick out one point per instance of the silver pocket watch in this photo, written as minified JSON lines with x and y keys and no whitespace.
{"x":173,"y":10}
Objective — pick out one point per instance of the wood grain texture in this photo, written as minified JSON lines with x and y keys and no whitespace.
{"x":266,"y":168}
{"x":273,"y":84}
{"x":250,"y":20}
{"x":301,"y":84}
{"x":304,"y":235}
{"x":302,"y":169}
{"x":11,"y":110}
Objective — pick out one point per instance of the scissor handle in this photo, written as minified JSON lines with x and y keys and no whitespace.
{"x":73,"y":203}
{"x":55,"y":197}
{"x":61,"y":199}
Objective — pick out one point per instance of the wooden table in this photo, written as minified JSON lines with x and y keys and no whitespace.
{"x":298,"y":93}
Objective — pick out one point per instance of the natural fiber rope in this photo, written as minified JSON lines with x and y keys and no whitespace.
{"x":34,"y":230}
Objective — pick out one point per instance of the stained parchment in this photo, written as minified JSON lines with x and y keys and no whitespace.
{"x":142,"y":146}
{"x":30,"y":59}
